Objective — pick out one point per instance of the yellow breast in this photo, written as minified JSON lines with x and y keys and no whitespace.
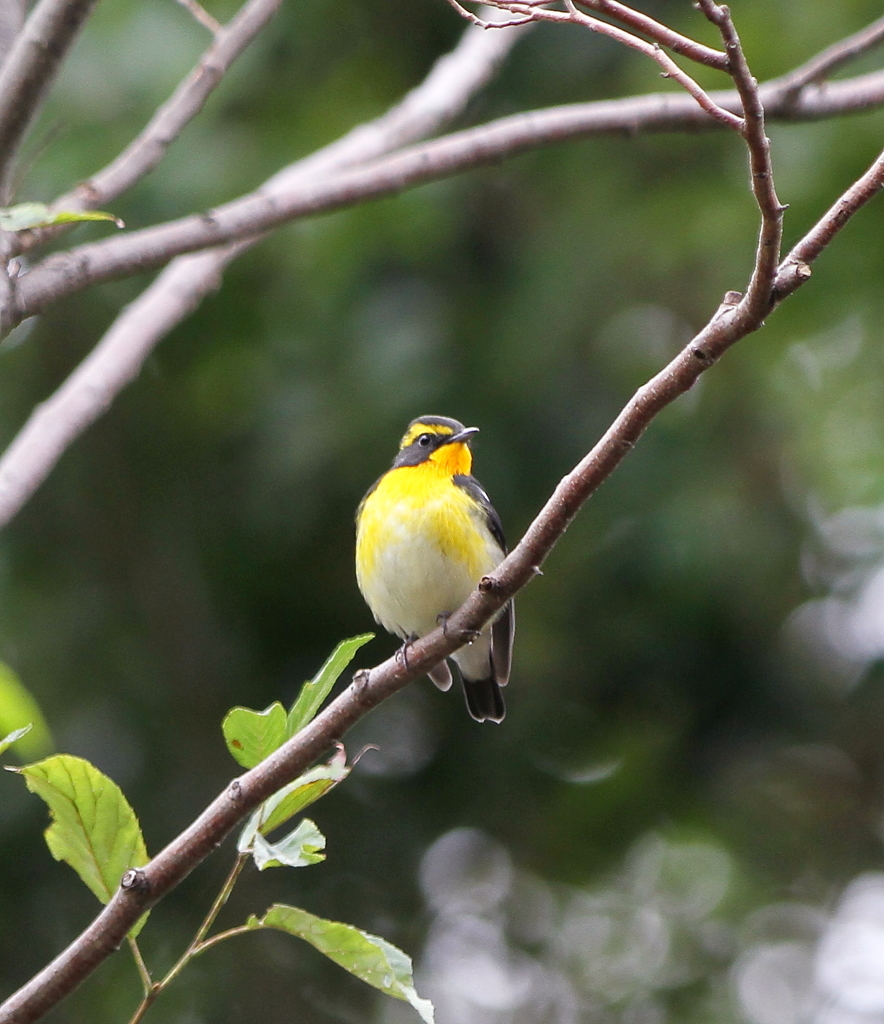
{"x":421,"y":547}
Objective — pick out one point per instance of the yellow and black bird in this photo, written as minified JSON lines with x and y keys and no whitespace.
{"x":426,"y":533}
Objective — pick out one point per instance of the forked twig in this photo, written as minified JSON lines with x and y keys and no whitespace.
{"x":759,"y":294}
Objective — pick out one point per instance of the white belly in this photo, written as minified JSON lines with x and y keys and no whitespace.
{"x":412,"y":579}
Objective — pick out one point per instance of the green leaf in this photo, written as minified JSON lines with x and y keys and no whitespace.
{"x":314,"y":693}
{"x":17,"y":709}
{"x":93,"y":829}
{"x":294,"y":798}
{"x":374,"y":960}
{"x":252,"y":735}
{"x":302,"y":846}
{"x":26,"y":216}
{"x":16,"y":734}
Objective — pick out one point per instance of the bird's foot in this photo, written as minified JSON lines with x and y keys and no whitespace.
{"x":402,"y":653}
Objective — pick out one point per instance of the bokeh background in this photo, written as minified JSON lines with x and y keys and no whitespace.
{"x":682,"y":818}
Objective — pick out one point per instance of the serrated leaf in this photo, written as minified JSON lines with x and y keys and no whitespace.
{"x":94,"y":828}
{"x":17,"y":709}
{"x":294,"y":798}
{"x":373,"y":959}
{"x":301,"y":847}
{"x":15,"y":735}
{"x":26,"y":216}
{"x":313,"y":693}
{"x":253,"y":735}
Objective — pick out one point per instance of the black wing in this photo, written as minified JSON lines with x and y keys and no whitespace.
{"x":492,"y":520}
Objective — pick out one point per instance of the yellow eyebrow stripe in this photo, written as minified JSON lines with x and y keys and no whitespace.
{"x":423,"y":428}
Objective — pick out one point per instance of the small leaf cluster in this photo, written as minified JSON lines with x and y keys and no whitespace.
{"x":95,"y":831}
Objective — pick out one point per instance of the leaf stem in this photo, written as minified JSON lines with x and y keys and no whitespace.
{"x":143,"y":972}
{"x":197,"y":944}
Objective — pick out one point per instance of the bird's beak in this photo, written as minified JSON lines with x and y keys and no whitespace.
{"x":462,"y":436}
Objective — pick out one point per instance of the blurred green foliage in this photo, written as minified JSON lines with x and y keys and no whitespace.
{"x":673,"y":690}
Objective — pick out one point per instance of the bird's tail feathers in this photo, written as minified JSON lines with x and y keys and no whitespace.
{"x":484,"y":699}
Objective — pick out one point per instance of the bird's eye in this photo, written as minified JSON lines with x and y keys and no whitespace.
{"x":425,"y":440}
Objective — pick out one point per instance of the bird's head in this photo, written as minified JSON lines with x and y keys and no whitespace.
{"x":439,"y":440}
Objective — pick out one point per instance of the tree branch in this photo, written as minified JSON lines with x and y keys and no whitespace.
{"x":82,"y":399}
{"x":30,"y":68}
{"x":142,"y":888}
{"x":139,"y":251}
{"x":834,"y":57}
{"x":759,"y":295}
{"x":661,"y":34}
{"x":795,"y":268}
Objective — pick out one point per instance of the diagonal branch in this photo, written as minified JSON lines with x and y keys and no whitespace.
{"x":661,"y":34}
{"x":835,"y":56}
{"x":142,"y":888}
{"x":795,"y":268}
{"x":29,"y":69}
{"x":82,"y":399}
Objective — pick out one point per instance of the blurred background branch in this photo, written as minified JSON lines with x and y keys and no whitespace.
{"x":28,"y":70}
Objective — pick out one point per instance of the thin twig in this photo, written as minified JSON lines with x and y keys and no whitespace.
{"x":662,"y":34}
{"x":143,"y":972}
{"x":833,"y":57}
{"x":529,"y":11}
{"x":29,"y":69}
{"x":794,"y":269}
{"x":200,"y":14}
{"x":240,"y":929}
{"x":197,"y":944}
{"x":479,"y":22}
{"x":670,"y":68}
{"x":759,"y":295}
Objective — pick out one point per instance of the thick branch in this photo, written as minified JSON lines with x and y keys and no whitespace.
{"x":30,"y":68}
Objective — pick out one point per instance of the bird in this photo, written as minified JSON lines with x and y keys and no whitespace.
{"x":426,"y":533}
